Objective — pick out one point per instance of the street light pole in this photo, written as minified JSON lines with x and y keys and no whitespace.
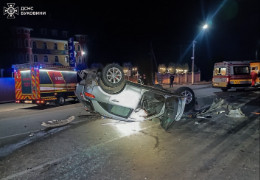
{"x":204,"y":27}
{"x":193,"y":58}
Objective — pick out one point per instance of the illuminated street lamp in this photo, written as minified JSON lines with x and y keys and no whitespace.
{"x":204,"y":27}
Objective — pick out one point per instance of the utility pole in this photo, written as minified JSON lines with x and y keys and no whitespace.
{"x":154,"y":61}
{"x":193,"y":58}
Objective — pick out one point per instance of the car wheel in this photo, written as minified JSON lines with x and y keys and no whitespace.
{"x":111,"y":90}
{"x":188,"y":92}
{"x":60,"y":101}
{"x":112,"y":75}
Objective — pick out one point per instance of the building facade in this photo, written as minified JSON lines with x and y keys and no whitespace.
{"x":47,"y":47}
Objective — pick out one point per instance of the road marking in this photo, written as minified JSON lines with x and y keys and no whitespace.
{"x":13,"y":135}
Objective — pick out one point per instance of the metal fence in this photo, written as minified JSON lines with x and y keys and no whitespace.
{"x":178,"y":78}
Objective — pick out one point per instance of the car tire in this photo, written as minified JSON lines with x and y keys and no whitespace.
{"x":112,"y":75}
{"x":60,"y":101}
{"x":111,"y":90}
{"x":190,"y":101}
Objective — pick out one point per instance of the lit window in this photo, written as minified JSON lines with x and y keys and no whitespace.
{"x":220,"y":71}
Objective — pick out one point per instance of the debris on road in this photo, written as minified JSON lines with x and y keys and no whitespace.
{"x":235,"y":113}
{"x":204,"y":117}
{"x":218,"y":107}
{"x":58,"y":123}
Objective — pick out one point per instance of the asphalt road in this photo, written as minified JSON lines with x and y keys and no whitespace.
{"x":17,"y":120}
{"x":213,"y":146}
{"x":20,"y":120}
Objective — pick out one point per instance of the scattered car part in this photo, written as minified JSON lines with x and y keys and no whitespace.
{"x":236,"y":113}
{"x":58,"y":123}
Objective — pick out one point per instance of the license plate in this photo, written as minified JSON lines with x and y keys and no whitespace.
{"x":28,"y":102}
{"x":236,"y":82}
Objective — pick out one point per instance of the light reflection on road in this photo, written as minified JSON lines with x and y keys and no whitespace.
{"x":129,"y":128}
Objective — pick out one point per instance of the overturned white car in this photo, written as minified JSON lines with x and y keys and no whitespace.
{"x":107,"y":92}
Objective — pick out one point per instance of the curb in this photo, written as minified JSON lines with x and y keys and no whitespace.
{"x":190,"y":86}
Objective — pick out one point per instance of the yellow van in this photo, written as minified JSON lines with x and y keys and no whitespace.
{"x":228,"y":74}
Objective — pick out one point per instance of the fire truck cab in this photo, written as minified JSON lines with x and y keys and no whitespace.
{"x":231,"y":74}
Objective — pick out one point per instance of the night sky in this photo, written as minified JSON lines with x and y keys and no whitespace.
{"x":127,"y":31}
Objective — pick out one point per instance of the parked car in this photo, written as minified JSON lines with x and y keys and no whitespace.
{"x":107,"y":92}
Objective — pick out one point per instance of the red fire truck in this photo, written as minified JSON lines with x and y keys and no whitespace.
{"x":41,"y":84}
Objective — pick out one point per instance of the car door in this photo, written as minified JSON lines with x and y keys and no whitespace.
{"x":170,"y":112}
